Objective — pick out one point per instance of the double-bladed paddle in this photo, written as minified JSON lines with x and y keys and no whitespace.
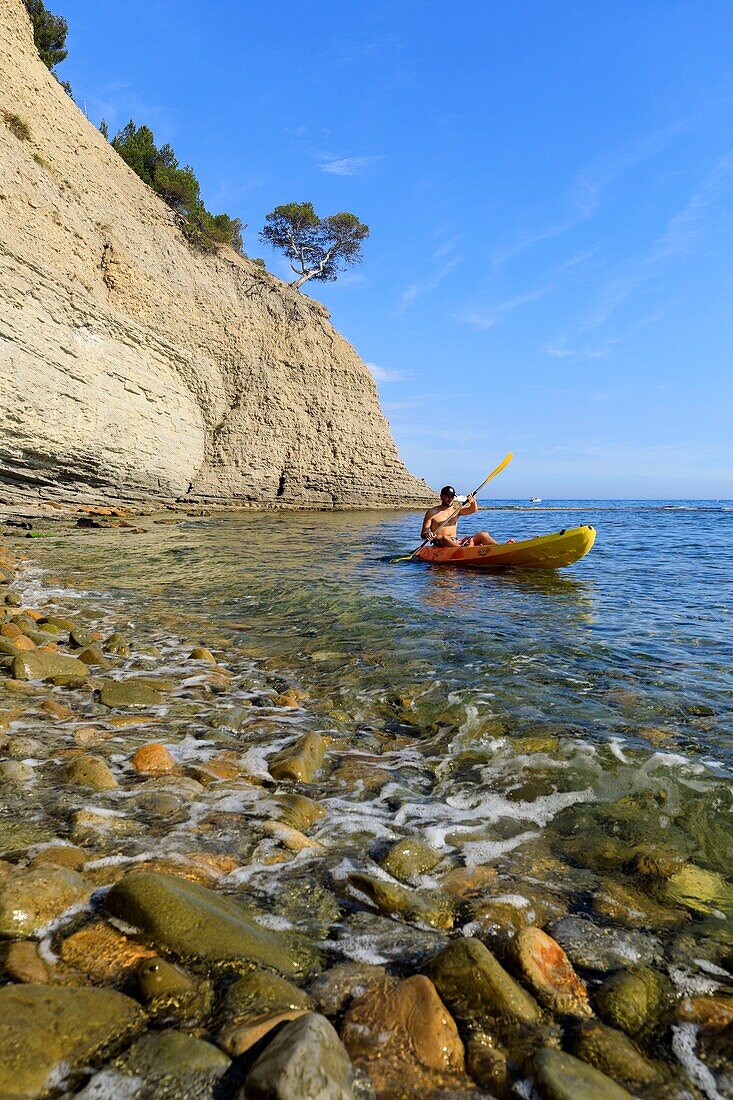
{"x":452,"y":516}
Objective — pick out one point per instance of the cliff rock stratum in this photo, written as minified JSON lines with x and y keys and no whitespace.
{"x":132,"y":366}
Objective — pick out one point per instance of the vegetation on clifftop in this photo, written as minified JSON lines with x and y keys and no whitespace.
{"x":317,"y":248}
{"x":49,"y":35}
{"x":177,"y":186}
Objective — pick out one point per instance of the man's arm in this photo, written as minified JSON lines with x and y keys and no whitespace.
{"x":469,"y":507}
{"x":426,"y":532}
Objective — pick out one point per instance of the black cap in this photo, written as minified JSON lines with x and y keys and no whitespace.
{"x":447,"y":490}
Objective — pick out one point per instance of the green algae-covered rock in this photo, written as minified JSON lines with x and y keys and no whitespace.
{"x":305,"y":1059}
{"x":45,"y":1031}
{"x":129,"y":693}
{"x":636,"y":1001}
{"x":33,"y":897}
{"x":300,"y":762}
{"x":410,"y":857}
{"x":35,"y":665}
{"x":162,"y":1066}
{"x":614,"y":1054}
{"x":192,"y":921}
{"x":700,"y":890}
{"x":254,"y":1005}
{"x":431,"y":907}
{"x":172,"y":996}
{"x":117,"y":645}
{"x":261,"y":993}
{"x":560,"y":1076}
{"x":90,"y":771}
{"x":476,"y":988}
{"x":298,"y":812}
{"x":92,"y":655}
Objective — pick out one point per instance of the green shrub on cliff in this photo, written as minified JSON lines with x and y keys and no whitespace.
{"x":178,"y":187}
{"x":49,"y":34}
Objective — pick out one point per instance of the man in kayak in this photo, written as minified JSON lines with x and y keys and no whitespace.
{"x":447,"y":536}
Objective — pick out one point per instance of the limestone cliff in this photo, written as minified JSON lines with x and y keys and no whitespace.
{"x":133,"y":366}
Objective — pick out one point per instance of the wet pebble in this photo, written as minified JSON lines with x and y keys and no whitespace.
{"x":593,"y":947}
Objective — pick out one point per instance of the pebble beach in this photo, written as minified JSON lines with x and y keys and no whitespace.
{"x":236,"y":868}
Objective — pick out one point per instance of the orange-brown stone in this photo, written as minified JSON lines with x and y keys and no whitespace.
{"x":710,"y":1013}
{"x":549,"y":973}
{"x":401,"y":1034}
{"x":103,"y":953}
{"x":153,"y":759}
{"x":464,"y":882}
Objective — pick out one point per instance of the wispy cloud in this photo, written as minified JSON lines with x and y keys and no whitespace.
{"x":488,"y":317}
{"x":682,"y":234}
{"x":442,"y":261}
{"x":347,"y":166}
{"x":380,"y":374}
{"x":587,"y":191}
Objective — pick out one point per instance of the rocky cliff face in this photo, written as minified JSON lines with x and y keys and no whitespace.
{"x":131,"y":365}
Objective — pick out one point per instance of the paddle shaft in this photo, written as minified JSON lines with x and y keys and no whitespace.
{"x":453,"y":515}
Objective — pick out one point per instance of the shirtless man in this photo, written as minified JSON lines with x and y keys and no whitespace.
{"x":448,"y":536}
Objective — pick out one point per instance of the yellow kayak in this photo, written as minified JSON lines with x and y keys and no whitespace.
{"x":546,"y":552}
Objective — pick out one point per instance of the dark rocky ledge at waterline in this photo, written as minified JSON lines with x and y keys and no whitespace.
{"x":139,"y":959}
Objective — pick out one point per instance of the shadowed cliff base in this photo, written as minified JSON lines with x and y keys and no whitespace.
{"x":135,"y":368}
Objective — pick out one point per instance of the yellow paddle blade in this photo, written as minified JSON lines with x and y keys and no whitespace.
{"x":502,"y":466}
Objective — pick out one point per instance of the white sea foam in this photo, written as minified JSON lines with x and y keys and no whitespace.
{"x":688,"y":982}
{"x":684,"y":1039}
{"x":479,"y":852}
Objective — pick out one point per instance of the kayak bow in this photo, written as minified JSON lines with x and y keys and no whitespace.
{"x":546,"y":552}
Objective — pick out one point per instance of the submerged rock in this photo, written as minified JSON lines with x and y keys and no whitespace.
{"x":477,"y":989}
{"x":32,"y":897}
{"x":622,"y":904}
{"x":254,"y":1005}
{"x":613,"y":1053}
{"x":162,"y":1066}
{"x":192,"y":921}
{"x":36,"y":665}
{"x":305,"y":1059}
{"x":465,"y":882}
{"x":401,"y":1031}
{"x":129,"y":693}
{"x":335,"y":988}
{"x":24,"y":963}
{"x":560,"y":1076}
{"x":408,"y":858}
{"x":102,"y":953}
{"x":47,"y":1031}
{"x":549,"y":973}
{"x":700,"y":890}
{"x":635,"y":1001}
{"x":421,"y":906}
{"x":593,"y":947}
{"x":298,"y":812}
{"x":300,"y":762}
{"x":90,"y":771}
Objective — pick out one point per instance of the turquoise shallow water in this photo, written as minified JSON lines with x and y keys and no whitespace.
{"x":638,"y":634}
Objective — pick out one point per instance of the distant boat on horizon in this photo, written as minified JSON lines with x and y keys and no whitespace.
{"x":535,"y":500}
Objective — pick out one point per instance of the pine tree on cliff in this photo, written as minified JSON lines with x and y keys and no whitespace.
{"x":49,"y":34}
{"x":317,"y":248}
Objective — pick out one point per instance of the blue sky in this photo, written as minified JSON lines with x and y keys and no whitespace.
{"x":549,"y":187}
